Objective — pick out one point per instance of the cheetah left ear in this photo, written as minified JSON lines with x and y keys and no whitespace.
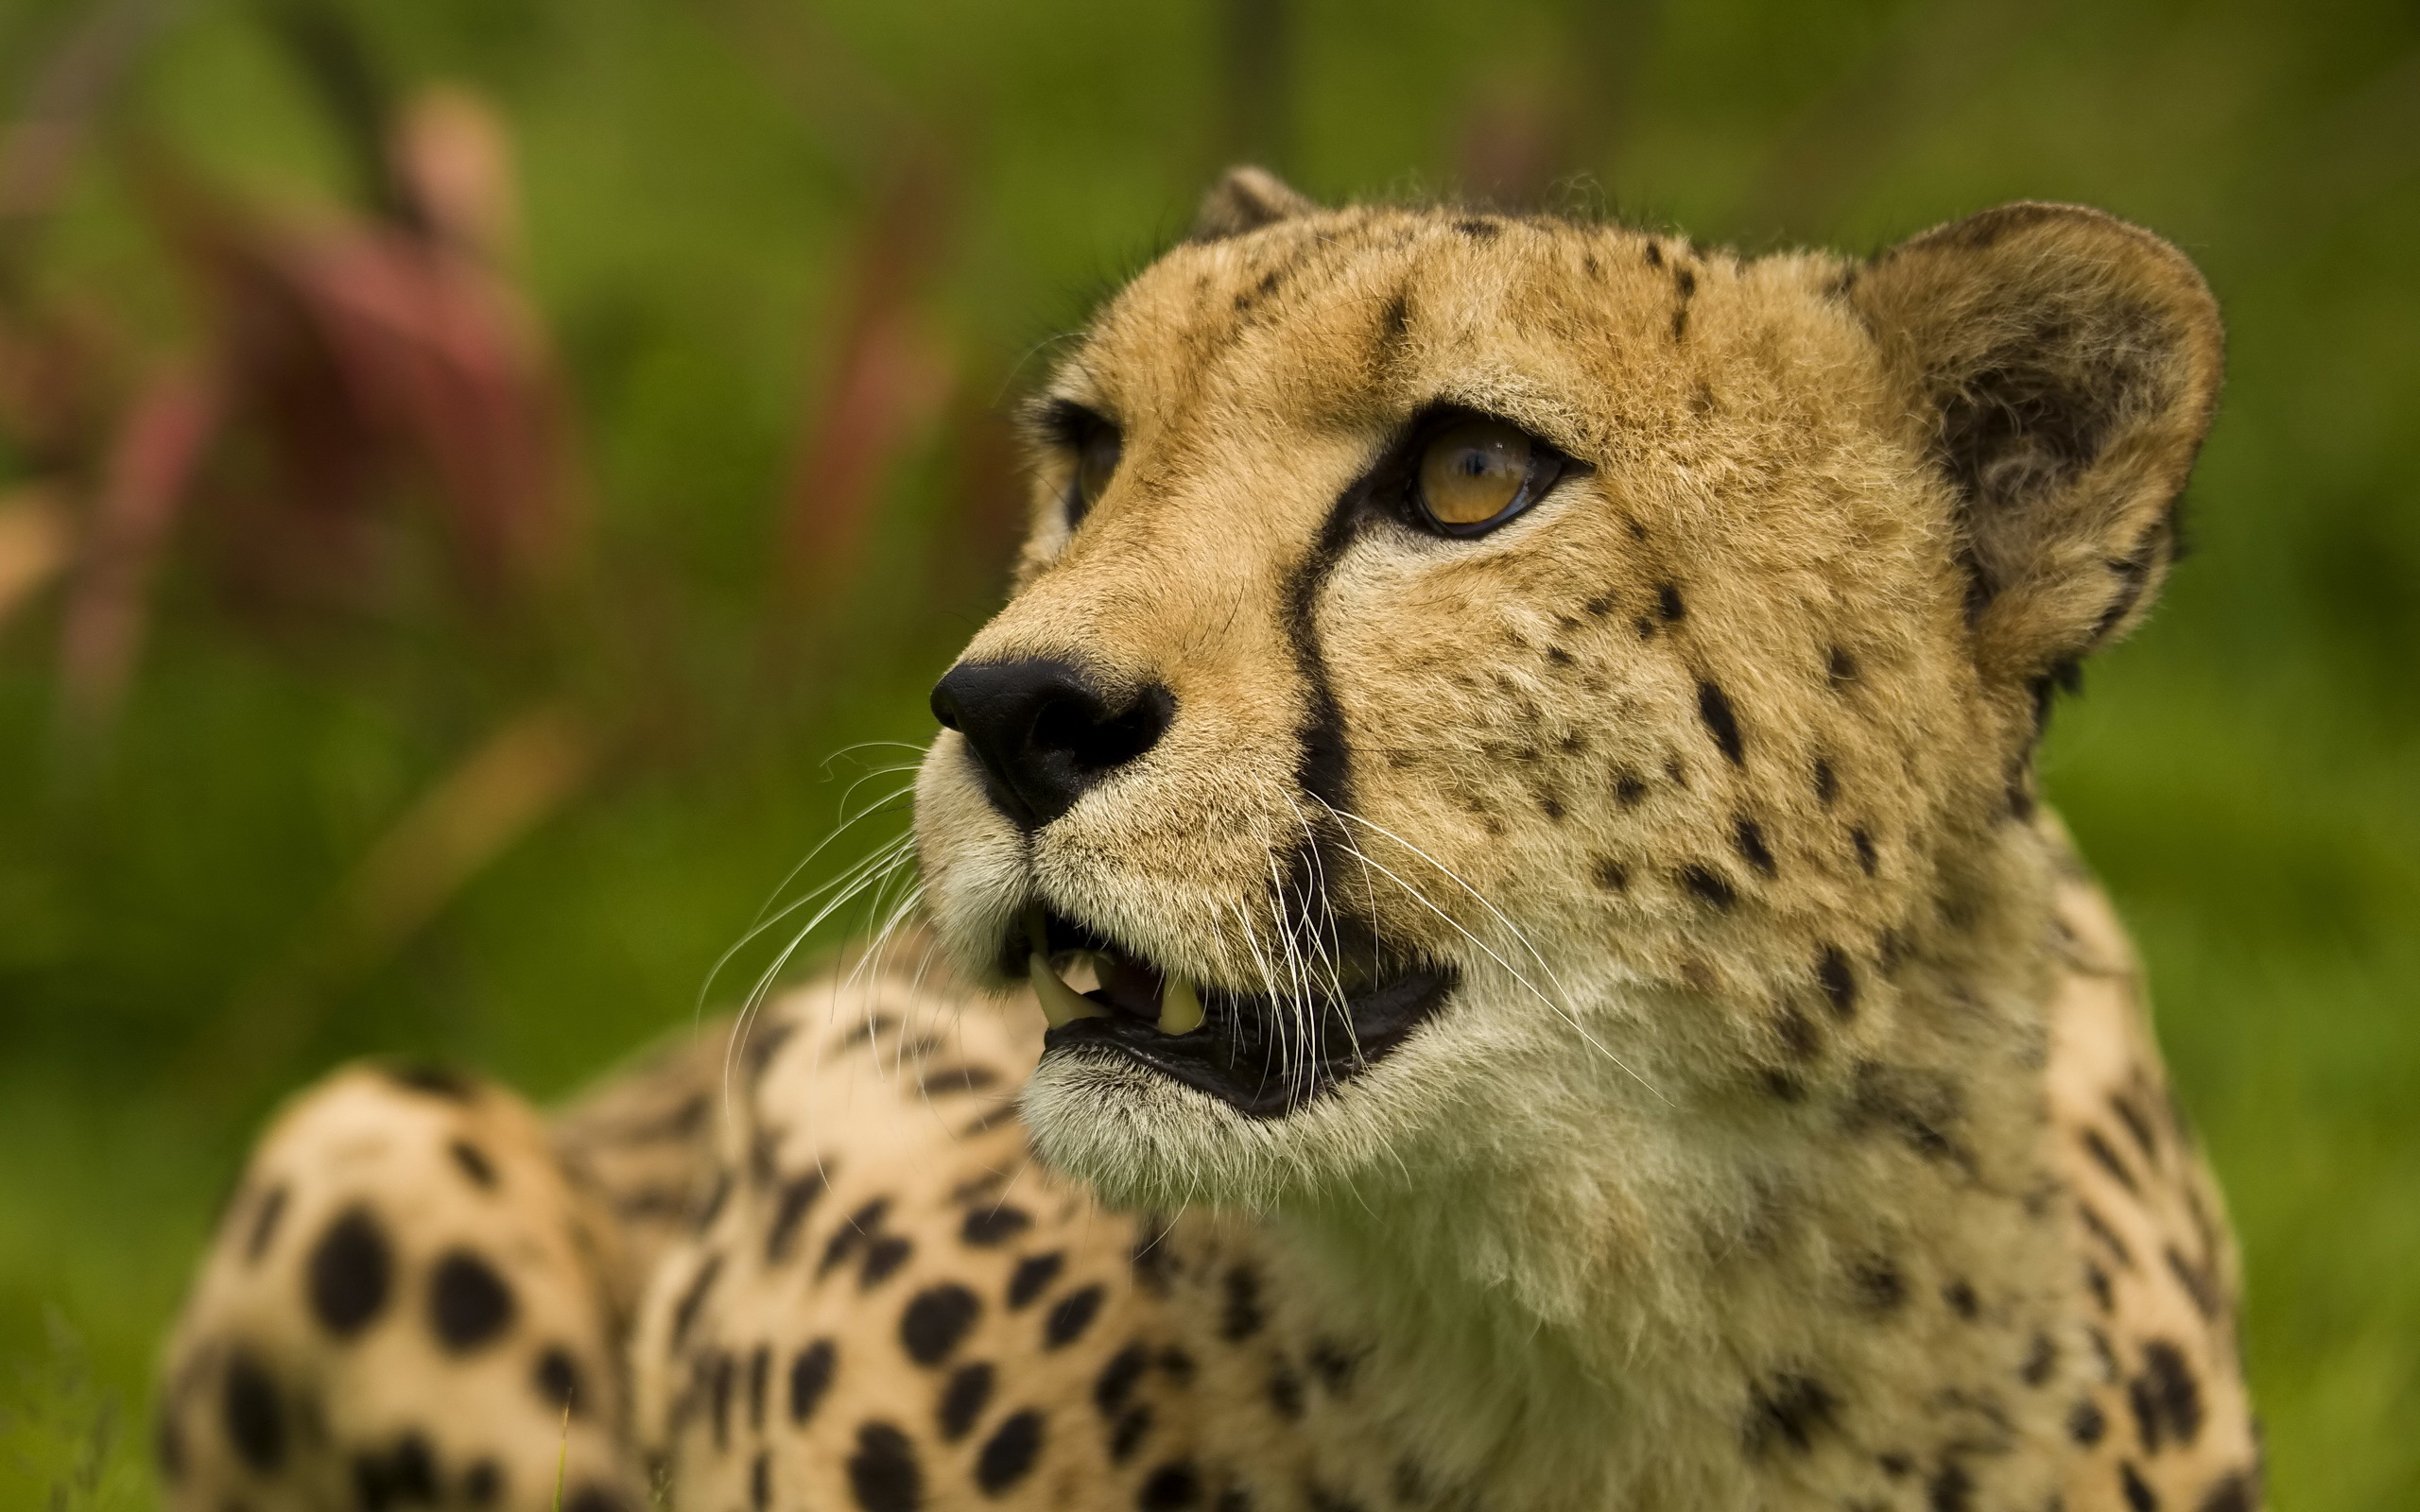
{"x":1246,"y":198}
{"x":2060,"y":367}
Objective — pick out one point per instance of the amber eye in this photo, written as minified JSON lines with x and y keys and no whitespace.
{"x":1096,"y":464}
{"x":1473,"y":471}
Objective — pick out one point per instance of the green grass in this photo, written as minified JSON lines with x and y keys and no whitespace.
{"x":695,"y":176}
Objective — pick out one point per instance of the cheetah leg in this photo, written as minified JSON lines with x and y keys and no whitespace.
{"x":408,"y":1303}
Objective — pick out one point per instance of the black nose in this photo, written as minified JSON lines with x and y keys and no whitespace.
{"x":1045,"y":731}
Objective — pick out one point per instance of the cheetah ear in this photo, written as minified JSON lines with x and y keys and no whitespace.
{"x":2058,"y":366}
{"x":1246,"y":198}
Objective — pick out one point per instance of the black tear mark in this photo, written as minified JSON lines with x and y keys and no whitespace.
{"x":1749,"y":840}
{"x":2165,"y":1397}
{"x":1714,"y":707}
{"x":1707,"y":885}
{"x":1839,"y":981}
{"x":1788,"y":1411}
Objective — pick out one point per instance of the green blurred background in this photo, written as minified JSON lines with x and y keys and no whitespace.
{"x":483,"y":480}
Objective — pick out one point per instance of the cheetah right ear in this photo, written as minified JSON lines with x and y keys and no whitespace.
{"x":1246,"y":198}
{"x":2059,"y":367}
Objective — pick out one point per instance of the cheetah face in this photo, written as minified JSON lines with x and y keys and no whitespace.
{"x":1464,"y":667}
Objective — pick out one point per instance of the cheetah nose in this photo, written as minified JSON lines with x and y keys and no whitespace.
{"x":1045,"y":731}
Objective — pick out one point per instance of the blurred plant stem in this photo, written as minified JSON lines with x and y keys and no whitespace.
{"x":528,"y":769}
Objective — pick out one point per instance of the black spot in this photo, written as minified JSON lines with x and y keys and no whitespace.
{"x":1841,"y":667}
{"x":1680,"y":322}
{"x":810,"y":1378}
{"x":483,"y":1483}
{"x":1286,"y":1391}
{"x":1169,"y":1488}
{"x":1797,"y":1035}
{"x":1645,"y":626}
{"x":1126,"y":1435}
{"x":1612,"y":875}
{"x":1322,"y":1500}
{"x":883,"y":1474}
{"x":721,"y":1371}
{"x":685,"y":1311}
{"x":1895,"y":1466}
{"x":405,"y":1475}
{"x":1880,"y":1284}
{"x":264,"y":1220}
{"x":854,"y":1231}
{"x":1827,"y":782}
{"x":2085,"y":1424}
{"x":2096,"y":1281}
{"x":760,"y":1481}
{"x":1008,"y":1454}
{"x":1234,"y":1499}
{"x":1788,"y":1409}
{"x":1240,"y":1316}
{"x":1707,"y":885}
{"x":2099,"y":1228}
{"x":2137,"y":1125}
{"x":593,"y":1498}
{"x":2139,"y":1497}
{"x":760,"y":1366}
{"x":1599,"y":606}
{"x":1153,"y":1259}
{"x":935,"y":1322}
{"x":1961,"y":1300}
{"x":1551,"y":806}
{"x":987,"y":1227}
{"x":557,"y":1379}
{"x":1839,"y":980}
{"x":943,"y":1080}
{"x":1654,"y":255}
{"x":1686,"y":279}
{"x":250,"y":1412}
{"x":1668,"y":605}
{"x":474,"y":1163}
{"x":1864,"y":845}
{"x":351,"y":1271}
{"x":883,"y":1257}
{"x":1481,"y":230}
{"x":1951,"y":1489}
{"x":1069,"y":1316}
{"x":2165,"y":1397}
{"x":167,"y":1445}
{"x":2231,"y":1494}
{"x":2106,"y":1157}
{"x":432,"y":1079}
{"x":1333,"y":1364}
{"x":1629,"y":788}
{"x":790,"y":1209}
{"x":1715,"y":709}
{"x":1749,"y":840}
{"x":2197,"y":1282}
{"x":1034,"y":1277}
{"x":1116,"y":1384}
{"x":1395,"y":322}
{"x":469,"y":1304}
{"x":963,"y":1399}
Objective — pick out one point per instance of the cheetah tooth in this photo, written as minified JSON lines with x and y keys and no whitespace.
{"x":1180,"y":1007}
{"x":1061,"y":1005}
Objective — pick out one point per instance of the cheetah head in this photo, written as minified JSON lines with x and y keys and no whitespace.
{"x":1474,"y":678}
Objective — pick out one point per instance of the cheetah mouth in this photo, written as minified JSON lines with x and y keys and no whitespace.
{"x":1262,"y":1056}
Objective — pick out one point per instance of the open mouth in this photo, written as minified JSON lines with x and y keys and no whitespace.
{"x":1263,"y":1056}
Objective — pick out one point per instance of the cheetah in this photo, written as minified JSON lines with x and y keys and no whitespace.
{"x":1487,"y":942}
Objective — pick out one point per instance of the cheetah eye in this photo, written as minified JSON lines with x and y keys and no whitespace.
{"x":1473,"y":473}
{"x":1096,"y":464}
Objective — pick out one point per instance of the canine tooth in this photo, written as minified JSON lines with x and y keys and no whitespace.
{"x":1060,"y":1003}
{"x":1180,"y":1007}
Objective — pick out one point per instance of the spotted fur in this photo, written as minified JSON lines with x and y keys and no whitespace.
{"x":1792,"y":1134}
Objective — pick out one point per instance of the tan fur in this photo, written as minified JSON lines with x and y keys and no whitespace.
{"x":1793,"y":1136}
